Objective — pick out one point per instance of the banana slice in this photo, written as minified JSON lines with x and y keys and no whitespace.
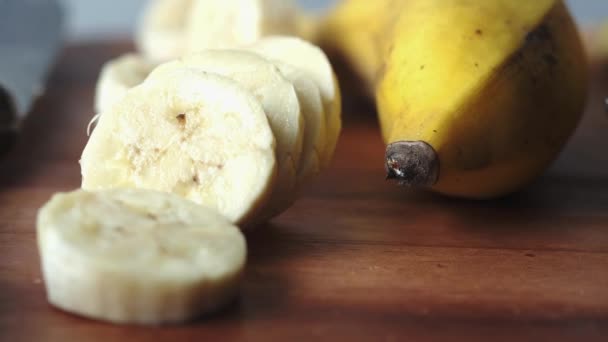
{"x":195,"y":134}
{"x":228,"y":23}
{"x":137,"y":256}
{"x":314,"y":138}
{"x":314,"y":121}
{"x":119,"y":75}
{"x":314,"y":62}
{"x":162,"y":33}
{"x":277,"y":95}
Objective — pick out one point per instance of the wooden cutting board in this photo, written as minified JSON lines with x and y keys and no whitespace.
{"x":356,"y":258}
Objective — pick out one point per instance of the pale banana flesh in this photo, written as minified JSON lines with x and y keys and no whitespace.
{"x":117,"y":77}
{"x":279,"y":100}
{"x":312,"y":61}
{"x":309,"y":164}
{"x":290,"y":93}
{"x":315,"y":132}
{"x":137,"y":256}
{"x":224,"y":24}
{"x":195,"y":134}
{"x":161,"y":35}
{"x":475,"y":98}
{"x":172,"y":28}
{"x":125,"y":72}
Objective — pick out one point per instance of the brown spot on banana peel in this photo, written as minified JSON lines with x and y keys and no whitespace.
{"x":541,"y":33}
{"x":412,"y":163}
{"x":539,"y":38}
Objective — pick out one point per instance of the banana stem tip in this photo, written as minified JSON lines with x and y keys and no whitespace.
{"x":412,"y":163}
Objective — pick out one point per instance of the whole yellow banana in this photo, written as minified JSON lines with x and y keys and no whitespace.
{"x":475,"y":98}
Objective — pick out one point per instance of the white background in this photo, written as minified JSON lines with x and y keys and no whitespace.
{"x":106,"y":19}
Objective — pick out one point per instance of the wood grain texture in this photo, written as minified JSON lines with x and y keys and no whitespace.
{"x":356,"y":258}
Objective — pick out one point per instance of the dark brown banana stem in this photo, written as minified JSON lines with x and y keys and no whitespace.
{"x":412,"y":163}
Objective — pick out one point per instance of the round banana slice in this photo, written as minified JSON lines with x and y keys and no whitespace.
{"x":314,"y":62}
{"x":162,"y":32}
{"x":117,"y":76}
{"x":277,"y":96}
{"x":195,"y":134}
{"x":227,"y":23}
{"x":137,"y":256}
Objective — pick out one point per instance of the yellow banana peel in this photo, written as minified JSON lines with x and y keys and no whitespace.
{"x":475,"y":98}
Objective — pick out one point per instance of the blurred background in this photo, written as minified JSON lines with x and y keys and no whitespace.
{"x":100,"y":20}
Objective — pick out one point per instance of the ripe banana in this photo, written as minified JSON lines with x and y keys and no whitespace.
{"x":199,"y":135}
{"x":119,"y":75}
{"x":137,"y":256}
{"x":279,"y":100}
{"x":475,"y":98}
{"x":314,"y":63}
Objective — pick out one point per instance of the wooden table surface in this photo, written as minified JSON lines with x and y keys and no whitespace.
{"x":356,"y":258}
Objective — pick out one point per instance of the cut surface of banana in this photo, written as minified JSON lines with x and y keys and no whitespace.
{"x":277,"y":95}
{"x":195,"y":134}
{"x":162,"y":31}
{"x":229,"y":23}
{"x":315,"y":134}
{"x":137,"y":256}
{"x":119,"y":75}
{"x":313,"y":61}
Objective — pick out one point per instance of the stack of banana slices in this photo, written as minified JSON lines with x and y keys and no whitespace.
{"x":240,"y":130}
{"x":183,"y":153}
